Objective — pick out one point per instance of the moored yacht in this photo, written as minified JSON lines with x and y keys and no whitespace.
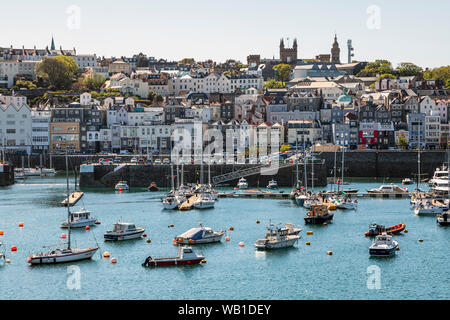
{"x":199,"y":235}
{"x":318,"y":214}
{"x":242,"y":184}
{"x":272,"y":185}
{"x":123,"y":231}
{"x":277,"y":237}
{"x":122,"y":186}
{"x":204,"y":201}
{"x":390,"y":188}
{"x":79,"y":219}
{"x":443,"y":219}
{"x":383,"y":246}
{"x":185,"y":256}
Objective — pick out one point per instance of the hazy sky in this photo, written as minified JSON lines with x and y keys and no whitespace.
{"x":401,"y":30}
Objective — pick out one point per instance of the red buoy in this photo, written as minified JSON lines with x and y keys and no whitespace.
{"x":13,"y":248}
{"x":63,"y":236}
{"x":21,"y":224}
{"x":88,"y":228}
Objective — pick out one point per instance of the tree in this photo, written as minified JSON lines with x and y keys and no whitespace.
{"x":377,"y":67}
{"x":24,"y":84}
{"x":406,"y":69}
{"x":93,"y":81}
{"x":282,"y":72}
{"x":442,"y":73}
{"x":69,"y":62}
{"x":385,"y":76}
{"x":142,"y":60}
{"x":151,"y":96}
{"x":57,"y":72}
{"x":186,"y":61}
{"x":402,"y":142}
{"x":447,"y":84}
{"x":273,"y":84}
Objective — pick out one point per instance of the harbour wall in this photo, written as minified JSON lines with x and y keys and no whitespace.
{"x":106,"y":176}
{"x":6,"y":175}
{"x":384,"y":163}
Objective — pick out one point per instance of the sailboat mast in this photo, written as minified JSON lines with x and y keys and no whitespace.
{"x":342,"y":179}
{"x":296,"y":164}
{"x":418,"y":160}
{"x":171,"y":176}
{"x":334,"y":170}
{"x":312,"y":168}
{"x":209,"y":174}
{"x":68,"y":202}
{"x":304,"y":161}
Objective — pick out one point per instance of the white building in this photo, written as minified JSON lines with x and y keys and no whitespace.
{"x":40,"y":127}
{"x":15,"y":127}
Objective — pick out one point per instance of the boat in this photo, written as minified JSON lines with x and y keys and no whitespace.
{"x":123,"y":231}
{"x":48,"y":172}
{"x":344,"y":203}
{"x":272,"y":184}
{"x":67,"y":254}
{"x":200,"y":235}
{"x":153,"y":187}
{"x":242,"y":184}
{"x":377,"y":229}
{"x":185,"y":256}
{"x":292,"y":229}
{"x":440,"y":186}
{"x":383,"y":246}
{"x":277,"y":237}
{"x":79,"y":219}
{"x":440,"y":173}
{"x":318,"y":214}
{"x":172,"y":200}
{"x":443,"y":219}
{"x":389,"y":188}
{"x":428,"y":208}
{"x":122,"y":186}
{"x":407,"y":181}
{"x":300,"y":199}
{"x":204,"y":201}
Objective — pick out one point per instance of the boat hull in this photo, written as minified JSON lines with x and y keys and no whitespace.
{"x":122,"y":237}
{"x":204,"y":205}
{"x":63,"y":258}
{"x":211,"y":239}
{"x":80,"y":224}
{"x":173,"y":262}
{"x":374,"y":252}
{"x":319,"y":220}
{"x":276,"y":245}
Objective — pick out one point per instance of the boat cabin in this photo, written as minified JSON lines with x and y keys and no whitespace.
{"x":123,"y":227}
{"x":318,"y":210}
{"x":79,"y":215}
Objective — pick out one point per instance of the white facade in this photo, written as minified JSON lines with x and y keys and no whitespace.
{"x":15,"y":126}
{"x":40,"y":127}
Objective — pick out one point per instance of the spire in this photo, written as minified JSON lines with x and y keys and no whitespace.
{"x":282,"y":43}
{"x":295,"y":43}
{"x":52,"y":47}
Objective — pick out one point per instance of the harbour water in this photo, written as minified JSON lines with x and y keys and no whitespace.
{"x":418,"y":271}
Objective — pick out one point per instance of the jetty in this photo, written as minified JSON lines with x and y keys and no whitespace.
{"x":73,"y":199}
{"x":189,"y":203}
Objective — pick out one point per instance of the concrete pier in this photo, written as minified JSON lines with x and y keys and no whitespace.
{"x":140,"y":176}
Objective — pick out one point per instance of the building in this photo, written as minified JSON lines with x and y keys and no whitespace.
{"x":65,"y":136}
{"x":40,"y":130}
{"x":288,"y":55}
{"x":335,"y":52}
{"x":15,"y":127}
{"x":416,"y":130}
{"x":305,"y":132}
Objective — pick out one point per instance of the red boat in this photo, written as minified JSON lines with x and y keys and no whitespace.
{"x":185,"y":256}
{"x":377,"y":229}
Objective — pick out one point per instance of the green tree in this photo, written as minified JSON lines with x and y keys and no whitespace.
{"x":406,"y":69}
{"x":273,"y":84}
{"x":376,"y":67}
{"x":447,"y":84}
{"x":93,"y":81}
{"x":402,"y":142}
{"x":186,"y":61}
{"x":142,"y":60}
{"x":24,"y":84}
{"x":58,"y":74}
{"x":69,"y":62}
{"x":442,"y":73}
{"x":282,"y":72}
{"x":151,"y":96}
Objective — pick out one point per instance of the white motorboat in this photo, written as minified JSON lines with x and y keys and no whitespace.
{"x":407,"y":181}
{"x":2,"y":253}
{"x":277,"y":237}
{"x":122,"y":186}
{"x":440,"y":173}
{"x":383,"y":246}
{"x":204,"y":201}
{"x":292,"y":230}
{"x":172,"y":200}
{"x":67,"y":254}
{"x":429,"y":208}
{"x":242,"y":184}
{"x":79,"y":219}
{"x":48,"y":171}
{"x":440,"y":186}
{"x":200,"y":235}
{"x":310,"y":201}
{"x":344,"y":203}
{"x":272,"y":184}
{"x":389,"y":188}
{"x":300,"y":199}
{"x":123,"y":231}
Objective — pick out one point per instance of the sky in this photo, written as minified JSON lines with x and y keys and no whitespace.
{"x":400,"y":31}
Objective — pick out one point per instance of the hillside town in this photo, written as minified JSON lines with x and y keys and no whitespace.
{"x":136,"y":104}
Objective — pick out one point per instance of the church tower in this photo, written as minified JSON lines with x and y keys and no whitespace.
{"x":52,"y":47}
{"x":288,"y":55}
{"x":335,"y":52}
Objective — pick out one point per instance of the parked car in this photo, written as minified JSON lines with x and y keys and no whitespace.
{"x":117,"y":160}
{"x":166,"y":161}
{"x":149,"y":160}
{"x":101,"y":160}
{"x":141,"y":161}
{"x":157,"y":161}
{"x":133,"y":160}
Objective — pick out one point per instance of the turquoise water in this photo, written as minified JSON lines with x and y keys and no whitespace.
{"x":418,"y":271}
